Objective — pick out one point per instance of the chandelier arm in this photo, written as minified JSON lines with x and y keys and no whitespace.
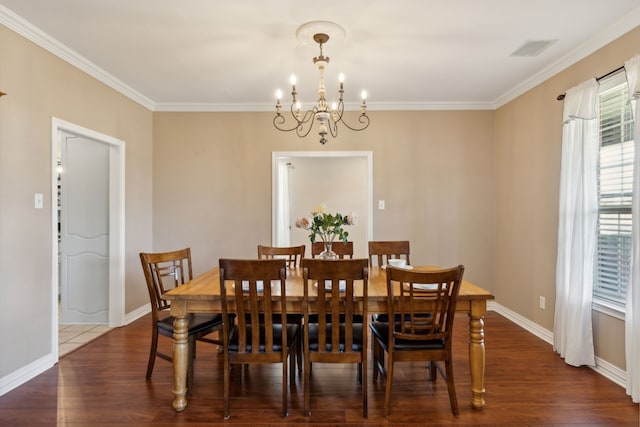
{"x":333,"y":128}
{"x":364,"y":119}
{"x":306,"y":119}
{"x":279,"y":121}
{"x":338,"y":118}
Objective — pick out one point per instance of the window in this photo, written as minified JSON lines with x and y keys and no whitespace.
{"x":615,"y":182}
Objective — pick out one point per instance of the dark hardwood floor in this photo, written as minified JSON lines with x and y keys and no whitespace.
{"x":103,"y":384}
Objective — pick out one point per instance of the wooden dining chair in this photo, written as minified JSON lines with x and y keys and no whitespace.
{"x":423,"y":304}
{"x":342,"y":249}
{"x":330,"y":291}
{"x":258,"y":290}
{"x":293,"y":254}
{"x":381,"y":252}
{"x":165,"y":271}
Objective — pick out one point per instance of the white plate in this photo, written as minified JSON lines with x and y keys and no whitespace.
{"x":425,"y":286}
{"x":342,"y":285}
{"x":406,"y":267}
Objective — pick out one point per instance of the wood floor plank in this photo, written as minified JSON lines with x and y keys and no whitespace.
{"x":103,"y":384}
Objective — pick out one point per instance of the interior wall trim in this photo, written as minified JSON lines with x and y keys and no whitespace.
{"x":26,"y":373}
{"x":604,"y":368}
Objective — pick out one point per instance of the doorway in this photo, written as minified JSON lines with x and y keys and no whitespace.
{"x":88,"y":228}
{"x":340,"y":179}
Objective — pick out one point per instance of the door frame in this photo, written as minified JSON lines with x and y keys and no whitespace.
{"x":276,"y":156}
{"x":116,"y":223}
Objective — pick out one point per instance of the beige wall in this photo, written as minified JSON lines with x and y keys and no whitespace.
{"x":528,"y":150}
{"x":212,"y":183}
{"x":41,"y":86}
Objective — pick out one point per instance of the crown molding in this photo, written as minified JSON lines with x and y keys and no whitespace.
{"x":27,"y":30}
{"x":206,"y":107}
{"x":436,"y":105}
{"x":604,"y":37}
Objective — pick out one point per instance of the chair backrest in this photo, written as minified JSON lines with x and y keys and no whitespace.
{"x":342,"y":249}
{"x":382,"y":251}
{"x":292,"y":254}
{"x":423,"y":302}
{"x":258,"y":290}
{"x":165,"y":271}
{"x":333,"y":283}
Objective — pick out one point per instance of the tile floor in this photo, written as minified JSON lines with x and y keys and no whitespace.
{"x":71,"y":337}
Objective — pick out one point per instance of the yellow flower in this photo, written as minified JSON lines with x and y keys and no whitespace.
{"x":320,"y":209}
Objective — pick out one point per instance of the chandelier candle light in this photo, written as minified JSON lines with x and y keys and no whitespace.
{"x":327,"y":226}
{"x":328,"y":118}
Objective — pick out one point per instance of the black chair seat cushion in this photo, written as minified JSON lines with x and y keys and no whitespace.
{"x":357,"y":318}
{"x":292,"y":331}
{"x":277,"y":318}
{"x":381,"y":331}
{"x":197,"y":323}
{"x":313,"y":337}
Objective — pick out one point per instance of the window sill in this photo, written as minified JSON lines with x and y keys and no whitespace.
{"x":608,"y":308}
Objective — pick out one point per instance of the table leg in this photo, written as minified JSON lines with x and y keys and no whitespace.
{"x":476,"y":352}
{"x":180,"y":361}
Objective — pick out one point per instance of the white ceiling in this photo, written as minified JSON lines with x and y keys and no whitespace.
{"x":215,"y":55}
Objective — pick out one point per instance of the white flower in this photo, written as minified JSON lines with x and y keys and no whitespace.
{"x":352,"y":219}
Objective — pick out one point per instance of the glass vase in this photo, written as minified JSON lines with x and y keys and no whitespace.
{"x":327,"y":253}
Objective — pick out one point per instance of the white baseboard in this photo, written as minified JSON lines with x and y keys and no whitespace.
{"x":137,"y":313}
{"x":602,"y":367}
{"x":32,"y":370}
{"x":537,"y":330}
{"x":26,"y":373}
{"x":611,"y":372}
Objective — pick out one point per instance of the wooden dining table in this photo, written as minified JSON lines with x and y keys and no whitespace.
{"x":202,"y":295}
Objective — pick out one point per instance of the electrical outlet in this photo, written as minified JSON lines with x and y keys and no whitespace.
{"x":542,"y":302}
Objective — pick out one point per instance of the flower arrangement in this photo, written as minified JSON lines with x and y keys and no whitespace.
{"x":327,"y":226}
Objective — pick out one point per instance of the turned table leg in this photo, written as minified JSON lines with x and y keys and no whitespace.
{"x":180,"y":360}
{"x":477,"y":352}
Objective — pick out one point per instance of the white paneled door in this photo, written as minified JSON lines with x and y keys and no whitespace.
{"x":84,"y":230}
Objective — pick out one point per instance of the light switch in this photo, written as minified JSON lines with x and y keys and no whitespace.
{"x":39,"y":201}
{"x":381,"y":204}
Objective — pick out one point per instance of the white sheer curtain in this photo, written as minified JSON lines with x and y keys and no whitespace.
{"x":578,"y":214}
{"x":632,"y":309}
{"x":283,"y":224}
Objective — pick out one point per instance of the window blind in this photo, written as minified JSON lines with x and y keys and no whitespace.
{"x":615,"y":184}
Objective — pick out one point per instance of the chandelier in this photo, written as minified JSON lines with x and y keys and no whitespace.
{"x":328,"y":117}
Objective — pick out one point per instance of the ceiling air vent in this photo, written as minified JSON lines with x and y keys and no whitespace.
{"x":533,"y":47}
